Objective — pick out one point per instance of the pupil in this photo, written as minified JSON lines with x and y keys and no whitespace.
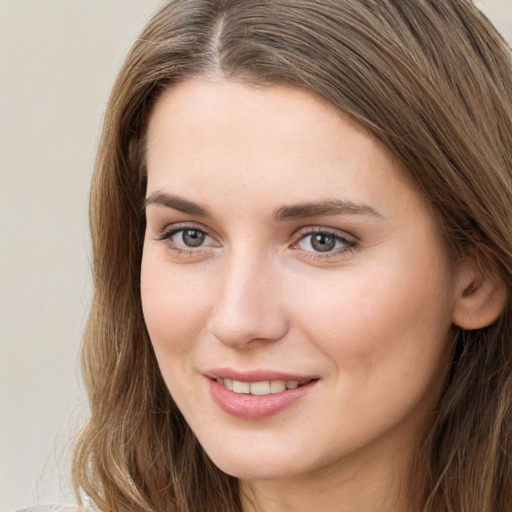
{"x":322,"y":242}
{"x":193,"y":237}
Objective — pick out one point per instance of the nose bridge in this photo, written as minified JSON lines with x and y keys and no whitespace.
{"x":248,"y":305}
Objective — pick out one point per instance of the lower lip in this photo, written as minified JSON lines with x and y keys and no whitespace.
{"x":256,"y":407}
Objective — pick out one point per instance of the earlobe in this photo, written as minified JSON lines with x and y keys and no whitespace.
{"x":481,"y":298}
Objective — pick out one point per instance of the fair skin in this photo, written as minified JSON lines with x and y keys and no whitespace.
{"x":353,"y":295}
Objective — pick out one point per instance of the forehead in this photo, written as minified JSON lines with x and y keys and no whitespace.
{"x":206,"y":132}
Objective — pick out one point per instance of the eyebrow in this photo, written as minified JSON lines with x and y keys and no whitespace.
{"x":176,"y":203}
{"x":324,"y":208}
{"x":297,"y":211}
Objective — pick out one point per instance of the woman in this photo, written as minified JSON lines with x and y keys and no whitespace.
{"x":301,"y":233}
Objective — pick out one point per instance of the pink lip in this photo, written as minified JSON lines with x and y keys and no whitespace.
{"x":254,"y":407}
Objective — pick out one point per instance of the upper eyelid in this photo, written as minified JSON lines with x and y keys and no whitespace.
{"x":179,"y":226}
{"x":321,"y":229}
{"x":165,"y":237}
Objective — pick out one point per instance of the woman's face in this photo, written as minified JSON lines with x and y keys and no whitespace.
{"x":283,"y":248}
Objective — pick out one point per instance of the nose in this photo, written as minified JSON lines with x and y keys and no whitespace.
{"x":249,"y":304}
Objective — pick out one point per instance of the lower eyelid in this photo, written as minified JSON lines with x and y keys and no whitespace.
{"x":166,"y":236}
{"x":348,"y":245}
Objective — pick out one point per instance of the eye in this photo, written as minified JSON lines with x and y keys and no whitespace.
{"x":186,"y":239}
{"x":323,"y":242}
{"x":319,"y":242}
{"x":190,"y":237}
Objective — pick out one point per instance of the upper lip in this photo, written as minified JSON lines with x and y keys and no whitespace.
{"x":256,"y":375}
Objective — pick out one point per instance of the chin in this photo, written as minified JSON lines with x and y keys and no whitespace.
{"x":253,"y":466}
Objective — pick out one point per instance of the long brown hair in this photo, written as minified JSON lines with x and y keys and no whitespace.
{"x":432,"y":79}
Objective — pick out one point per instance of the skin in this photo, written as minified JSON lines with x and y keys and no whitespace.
{"x":371,"y":319}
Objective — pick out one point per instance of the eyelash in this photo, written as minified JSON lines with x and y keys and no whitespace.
{"x":168,"y":232}
{"x":349,"y":244}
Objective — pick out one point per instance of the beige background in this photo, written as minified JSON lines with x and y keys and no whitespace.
{"x":58,"y":59}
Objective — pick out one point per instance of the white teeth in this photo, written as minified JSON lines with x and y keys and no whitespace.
{"x":259,"y":388}
{"x":277,"y":386}
{"x":241,"y":387}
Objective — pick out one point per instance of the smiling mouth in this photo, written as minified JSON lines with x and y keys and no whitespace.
{"x":266,"y":387}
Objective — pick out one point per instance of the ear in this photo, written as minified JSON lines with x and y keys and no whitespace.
{"x":481,"y":296}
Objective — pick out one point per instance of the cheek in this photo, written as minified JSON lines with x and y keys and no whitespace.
{"x":379,"y":319}
{"x":174,"y":304}
{"x":387,"y":345}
